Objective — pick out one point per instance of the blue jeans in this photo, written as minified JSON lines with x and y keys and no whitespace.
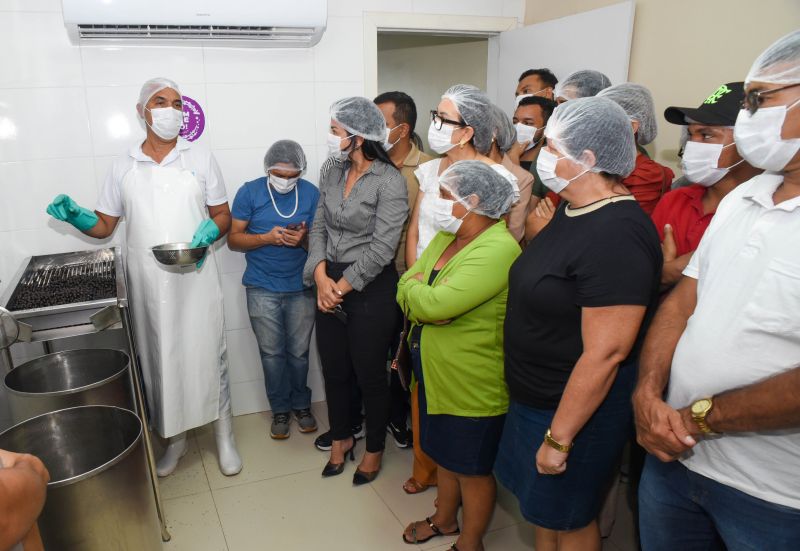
{"x":282,"y":323}
{"x":680,"y":509}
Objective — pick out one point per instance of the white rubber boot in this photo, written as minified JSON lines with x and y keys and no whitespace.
{"x":229,"y":461}
{"x":176,"y":449}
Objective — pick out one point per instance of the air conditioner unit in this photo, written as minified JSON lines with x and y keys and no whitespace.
{"x":259,"y":23}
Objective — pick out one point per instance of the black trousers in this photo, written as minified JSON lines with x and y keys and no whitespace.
{"x":357,"y":349}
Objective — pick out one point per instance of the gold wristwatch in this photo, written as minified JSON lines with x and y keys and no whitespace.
{"x":700,"y":410}
{"x":553,"y":443}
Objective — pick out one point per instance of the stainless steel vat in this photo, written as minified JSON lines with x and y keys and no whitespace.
{"x":99,"y":496}
{"x":69,"y":379}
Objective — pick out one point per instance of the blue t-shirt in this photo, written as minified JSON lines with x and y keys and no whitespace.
{"x":274,"y":268}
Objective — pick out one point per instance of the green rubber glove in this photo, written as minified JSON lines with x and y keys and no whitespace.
{"x":65,"y":209}
{"x":207,"y":232}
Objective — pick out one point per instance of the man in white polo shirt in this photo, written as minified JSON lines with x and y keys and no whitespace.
{"x":726,"y":347}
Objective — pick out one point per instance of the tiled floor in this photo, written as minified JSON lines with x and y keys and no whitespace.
{"x":279,"y":501}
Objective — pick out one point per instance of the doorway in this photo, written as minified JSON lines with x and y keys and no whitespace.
{"x":425,"y":65}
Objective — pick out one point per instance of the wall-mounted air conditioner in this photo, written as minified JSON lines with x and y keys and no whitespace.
{"x":259,"y":23}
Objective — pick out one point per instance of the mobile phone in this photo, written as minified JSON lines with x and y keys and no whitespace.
{"x":340,"y":314}
{"x":293,"y":226}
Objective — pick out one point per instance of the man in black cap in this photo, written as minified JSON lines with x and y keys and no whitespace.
{"x":713,"y":167}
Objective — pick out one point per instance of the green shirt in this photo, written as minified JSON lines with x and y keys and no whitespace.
{"x":462,"y":361}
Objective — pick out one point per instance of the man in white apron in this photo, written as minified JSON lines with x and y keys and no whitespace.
{"x":170,"y":191}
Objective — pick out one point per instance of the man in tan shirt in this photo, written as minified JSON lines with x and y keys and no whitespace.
{"x":403,"y":144}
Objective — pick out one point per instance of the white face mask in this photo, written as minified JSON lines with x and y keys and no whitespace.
{"x":283,"y":185}
{"x":700,"y":160}
{"x":440,"y":140}
{"x":443,"y":219}
{"x":758,"y":137}
{"x":526,"y":133}
{"x":546,"y":167}
{"x":387,"y":145}
{"x":335,"y":147}
{"x":521,"y":97}
{"x":167,"y":122}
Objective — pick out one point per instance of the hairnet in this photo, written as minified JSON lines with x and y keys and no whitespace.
{"x":360,"y":116}
{"x":637,"y":102}
{"x":464,"y":178}
{"x":582,"y":84}
{"x":150,"y":88}
{"x":780,"y":63}
{"x":473,"y":106}
{"x":283,"y":153}
{"x":504,"y":132}
{"x":593,"y":124}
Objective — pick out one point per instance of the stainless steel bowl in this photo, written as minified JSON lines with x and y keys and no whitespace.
{"x":178,"y":254}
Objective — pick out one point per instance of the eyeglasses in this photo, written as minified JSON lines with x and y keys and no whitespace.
{"x":754,"y":98}
{"x":439,"y":121}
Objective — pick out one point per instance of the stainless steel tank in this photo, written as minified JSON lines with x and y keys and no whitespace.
{"x":99,"y":496}
{"x":69,"y":379}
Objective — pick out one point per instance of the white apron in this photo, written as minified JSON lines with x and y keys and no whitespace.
{"x":177,"y":312}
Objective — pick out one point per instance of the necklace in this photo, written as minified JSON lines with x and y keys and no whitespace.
{"x":296,"y":202}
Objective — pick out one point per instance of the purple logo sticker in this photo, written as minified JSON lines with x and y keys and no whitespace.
{"x":194,"y":120}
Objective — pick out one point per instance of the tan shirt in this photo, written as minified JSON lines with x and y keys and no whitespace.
{"x":519,"y":212}
{"x":414,"y":158}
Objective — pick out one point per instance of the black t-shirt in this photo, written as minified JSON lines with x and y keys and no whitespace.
{"x":607,"y":257}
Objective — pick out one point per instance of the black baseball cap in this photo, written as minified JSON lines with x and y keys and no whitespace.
{"x":719,"y":109}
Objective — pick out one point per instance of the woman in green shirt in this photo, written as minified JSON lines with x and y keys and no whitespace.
{"x":455,"y":296}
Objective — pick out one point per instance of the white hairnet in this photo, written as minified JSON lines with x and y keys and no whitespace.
{"x":150,"y":88}
{"x":593,"y":124}
{"x":464,"y":178}
{"x":503,"y":129}
{"x":780,"y":63}
{"x":582,"y":84}
{"x":284,"y":154}
{"x":473,"y":106}
{"x":360,"y":116}
{"x":637,"y":102}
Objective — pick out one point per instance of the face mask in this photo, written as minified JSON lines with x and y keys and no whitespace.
{"x":700,"y":160}
{"x":167,"y":122}
{"x":335,"y":147}
{"x":526,"y":133}
{"x":443,"y":219}
{"x":758,"y":137}
{"x":439,"y":140}
{"x":283,"y":185}
{"x":521,"y":97}
{"x":546,"y":167}
{"x":387,"y":145}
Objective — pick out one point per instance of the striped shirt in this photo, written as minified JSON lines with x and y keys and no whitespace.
{"x":362,"y":229}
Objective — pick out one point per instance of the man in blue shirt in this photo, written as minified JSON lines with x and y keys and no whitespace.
{"x":271,"y":217}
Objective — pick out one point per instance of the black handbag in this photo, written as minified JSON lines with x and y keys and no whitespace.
{"x":402,"y":357}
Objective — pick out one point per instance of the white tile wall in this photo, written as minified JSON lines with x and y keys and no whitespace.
{"x":66,"y":111}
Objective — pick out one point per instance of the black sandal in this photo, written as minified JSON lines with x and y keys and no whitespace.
{"x":436,"y":532}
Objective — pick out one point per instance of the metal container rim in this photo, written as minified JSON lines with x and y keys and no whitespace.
{"x":100,"y":468}
{"x":96,"y":384}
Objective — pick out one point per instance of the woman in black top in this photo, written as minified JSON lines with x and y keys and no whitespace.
{"x":580,"y":297}
{"x":361,"y":211}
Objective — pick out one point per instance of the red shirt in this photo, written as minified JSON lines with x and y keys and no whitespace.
{"x":682,"y":209}
{"x":648,"y":182}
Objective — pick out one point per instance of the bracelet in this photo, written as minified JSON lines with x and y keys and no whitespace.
{"x":553,"y":443}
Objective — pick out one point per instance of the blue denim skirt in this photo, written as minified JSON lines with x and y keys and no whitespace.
{"x":572,"y":499}
{"x":463,"y":445}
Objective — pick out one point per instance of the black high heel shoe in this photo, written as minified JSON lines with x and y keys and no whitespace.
{"x":333,"y":469}
{"x":362,"y":477}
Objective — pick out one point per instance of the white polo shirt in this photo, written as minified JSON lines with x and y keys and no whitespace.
{"x":198,"y":159}
{"x":745,"y":328}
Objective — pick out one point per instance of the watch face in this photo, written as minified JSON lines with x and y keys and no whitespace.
{"x":701,"y":406}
